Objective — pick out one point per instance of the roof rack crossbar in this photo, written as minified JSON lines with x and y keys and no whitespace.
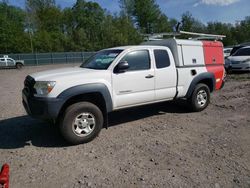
{"x":200,"y":36}
{"x":210,"y":36}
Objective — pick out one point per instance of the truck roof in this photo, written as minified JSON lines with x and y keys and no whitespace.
{"x":134,"y":46}
{"x":120,"y":48}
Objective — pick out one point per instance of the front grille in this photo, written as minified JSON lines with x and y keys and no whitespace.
{"x":29,"y":83}
{"x":236,"y":68}
{"x":235,"y":62}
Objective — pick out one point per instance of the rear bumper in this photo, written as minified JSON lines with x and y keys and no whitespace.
{"x":42,"y":108}
{"x":222,"y":85}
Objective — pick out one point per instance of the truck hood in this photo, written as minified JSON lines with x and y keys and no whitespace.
{"x":65,"y":73}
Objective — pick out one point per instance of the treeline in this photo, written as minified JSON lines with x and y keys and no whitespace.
{"x":42,"y":26}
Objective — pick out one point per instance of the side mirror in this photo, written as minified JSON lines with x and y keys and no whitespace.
{"x":121,"y":67}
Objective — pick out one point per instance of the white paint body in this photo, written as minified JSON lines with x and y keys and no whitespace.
{"x":133,"y":88}
{"x":9,"y":62}
{"x":240,"y":62}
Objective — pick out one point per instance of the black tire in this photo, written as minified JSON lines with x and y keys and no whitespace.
{"x":68,"y":127}
{"x":197,"y":103}
{"x":19,"y":66}
{"x":229,"y":70}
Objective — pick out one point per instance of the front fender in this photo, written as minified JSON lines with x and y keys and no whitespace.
{"x":89,"y":88}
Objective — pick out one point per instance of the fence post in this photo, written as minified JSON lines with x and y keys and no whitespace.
{"x":66,"y":57}
{"x":82,"y":57}
{"x":51,"y":57}
{"x":36,"y":59}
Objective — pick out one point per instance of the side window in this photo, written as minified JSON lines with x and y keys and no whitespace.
{"x":161,"y":59}
{"x":137,"y":60}
{"x":247,"y":52}
{"x":243,"y":52}
{"x":9,"y":60}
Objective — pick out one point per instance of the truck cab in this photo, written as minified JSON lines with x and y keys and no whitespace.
{"x":81,"y":98}
{"x":143,"y":81}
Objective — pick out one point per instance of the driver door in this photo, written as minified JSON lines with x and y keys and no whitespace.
{"x":10,"y":62}
{"x":136,"y":85}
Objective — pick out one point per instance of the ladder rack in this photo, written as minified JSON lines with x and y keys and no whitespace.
{"x":200,"y":36}
{"x":203,"y":35}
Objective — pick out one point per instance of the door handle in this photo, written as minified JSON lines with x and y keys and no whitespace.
{"x":149,"y":76}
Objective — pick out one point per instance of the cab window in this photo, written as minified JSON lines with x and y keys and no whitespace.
{"x":10,"y":60}
{"x":161,"y":59}
{"x":137,"y":60}
{"x":101,"y":60}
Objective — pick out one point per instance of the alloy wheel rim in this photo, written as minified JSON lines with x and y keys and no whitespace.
{"x":202,"y":98}
{"x":84,"y":124}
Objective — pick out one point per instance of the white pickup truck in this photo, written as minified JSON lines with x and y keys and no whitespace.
{"x":80,"y":98}
{"x":6,"y":61}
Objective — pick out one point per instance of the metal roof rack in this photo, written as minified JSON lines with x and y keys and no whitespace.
{"x":200,"y":36}
{"x":177,"y":32}
{"x":159,"y":36}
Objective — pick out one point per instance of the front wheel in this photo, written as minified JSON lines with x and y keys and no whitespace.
{"x":81,"y":123}
{"x":19,"y":66}
{"x":200,"y":98}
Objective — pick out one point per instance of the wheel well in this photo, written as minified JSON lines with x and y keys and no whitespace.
{"x":18,"y":63}
{"x":95,"y":98}
{"x":208,"y":82}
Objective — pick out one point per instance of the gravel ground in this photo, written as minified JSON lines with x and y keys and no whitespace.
{"x":160,"y":145}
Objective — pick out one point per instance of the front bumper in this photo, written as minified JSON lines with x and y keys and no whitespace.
{"x":240,"y":67}
{"x":41,"y":108}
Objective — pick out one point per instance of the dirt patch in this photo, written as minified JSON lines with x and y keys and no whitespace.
{"x":161,"y":145}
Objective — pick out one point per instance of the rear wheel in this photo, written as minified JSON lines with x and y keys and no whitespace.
{"x":19,"y":66}
{"x":81,"y":123}
{"x":200,"y":98}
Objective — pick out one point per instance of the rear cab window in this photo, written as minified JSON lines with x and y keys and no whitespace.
{"x":161,"y":59}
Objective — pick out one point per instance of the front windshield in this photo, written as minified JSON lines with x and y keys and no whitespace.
{"x":101,"y":60}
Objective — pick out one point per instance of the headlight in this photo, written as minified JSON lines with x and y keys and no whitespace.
{"x":43,"y":88}
{"x":227,"y":61}
{"x":245,"y":61}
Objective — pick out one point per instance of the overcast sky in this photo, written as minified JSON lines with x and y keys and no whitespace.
{"x":205,"y":10}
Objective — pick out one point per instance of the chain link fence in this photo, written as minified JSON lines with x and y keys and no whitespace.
{"x":51,"y":58}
